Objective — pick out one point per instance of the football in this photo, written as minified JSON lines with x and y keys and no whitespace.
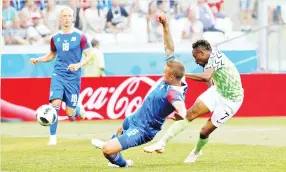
{"x":46,"y":115}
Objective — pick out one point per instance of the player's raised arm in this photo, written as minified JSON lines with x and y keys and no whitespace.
{"x":168,"y":42}
{"x":47,"y":57}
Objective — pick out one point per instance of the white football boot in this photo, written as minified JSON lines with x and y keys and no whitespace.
{"x":193,"y":157}
{"x":97,"y":143}
{"x":129,"y":163}
{"x":158,"y":147}
{"x":81,"y":112}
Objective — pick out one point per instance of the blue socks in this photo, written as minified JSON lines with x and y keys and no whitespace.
{"x":76,"y":113}
{"x":113,"y":136}
{"x":54,"y":126}
{"x":117,"y":158}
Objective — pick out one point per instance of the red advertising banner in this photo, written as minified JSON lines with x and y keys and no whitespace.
{"x":119,"y":97}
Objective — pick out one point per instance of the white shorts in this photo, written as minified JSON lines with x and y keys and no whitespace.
{"x":222,"y":108}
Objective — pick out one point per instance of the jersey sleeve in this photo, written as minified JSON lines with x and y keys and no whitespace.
{"x":215,"y":61}
{"x":180,"y":108}
{"x":174,"y":96}
{"x":52,"y":45}
{"x":84,"y":43}
{"x":177,"y":100}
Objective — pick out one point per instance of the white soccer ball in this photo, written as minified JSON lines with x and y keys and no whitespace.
{"x":46,"y":115}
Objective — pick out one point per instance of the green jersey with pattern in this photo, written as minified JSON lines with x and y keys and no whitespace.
{"x":226,"y":77}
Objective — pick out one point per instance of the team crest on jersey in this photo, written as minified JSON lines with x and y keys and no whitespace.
{"x":73,"y":39}
{"x":59,"y":39}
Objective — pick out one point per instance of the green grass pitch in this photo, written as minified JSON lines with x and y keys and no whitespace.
{"x":242,"y":144}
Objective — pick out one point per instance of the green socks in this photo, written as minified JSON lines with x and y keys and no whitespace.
{"x":200,"y":144}
{"x":175,"y":129}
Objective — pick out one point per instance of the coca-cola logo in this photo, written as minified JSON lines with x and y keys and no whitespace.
{"x":116,"y":100}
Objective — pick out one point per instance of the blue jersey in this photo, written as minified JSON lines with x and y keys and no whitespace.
{"x":69,"y":48}
{"x":157,"y":107}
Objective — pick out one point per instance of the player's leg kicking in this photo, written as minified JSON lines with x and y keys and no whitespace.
{"x":111,"y":150}
{"x":202,"y":141}
{"x":209,"y":101}
{"x":195,"y":111}
{"x":130,"y":137}
{"x":61,"y":92}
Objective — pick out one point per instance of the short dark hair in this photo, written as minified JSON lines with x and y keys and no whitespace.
{"x":94,"y":42}
{"x":177,"y":68}
{"x":204,"y":44}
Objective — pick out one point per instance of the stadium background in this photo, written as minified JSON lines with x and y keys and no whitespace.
{"x":133,"y":64}
{"x":129,"y":54}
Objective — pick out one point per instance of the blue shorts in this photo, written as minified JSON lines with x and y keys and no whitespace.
{"x":67,"y":92}
{"x":132,"y":136}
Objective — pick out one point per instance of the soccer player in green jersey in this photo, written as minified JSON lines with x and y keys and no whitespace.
{"x":223,"y":99}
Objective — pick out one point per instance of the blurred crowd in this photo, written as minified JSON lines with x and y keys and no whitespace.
{"x":114,"y":21}
{"x":34,"y":21}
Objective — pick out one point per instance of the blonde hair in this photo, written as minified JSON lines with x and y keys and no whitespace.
{"x":177,"y":68}
{"x":67,"y":9}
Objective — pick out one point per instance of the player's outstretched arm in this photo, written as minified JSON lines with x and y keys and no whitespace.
{"x":202,"y":77}
{"x":46,"y":58}
{"x":168,"y":42}
{"x":49,"y":56}
{"x":181,"y":110}
{"x":177,"y":100}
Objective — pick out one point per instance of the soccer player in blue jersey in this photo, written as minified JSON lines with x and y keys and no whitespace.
{"x":146,"y":122}
{"x":67,"y":47}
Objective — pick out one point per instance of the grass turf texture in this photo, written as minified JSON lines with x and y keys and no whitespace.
{"x":243,"y":144}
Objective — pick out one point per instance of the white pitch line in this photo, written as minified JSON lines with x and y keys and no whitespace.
{"x":89,"y":135}
{"x":256,"y":130}
{"x":245,"y":60}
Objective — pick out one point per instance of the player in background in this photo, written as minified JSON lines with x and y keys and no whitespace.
{"x":67,"y":47}
{"x":146,"y":122}
{"x":95,"y":67}
{"x":224,"y":98}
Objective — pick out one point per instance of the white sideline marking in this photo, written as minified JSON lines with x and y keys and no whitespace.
{"x":254,"y":130}
{"x":245,"y":60}
{"x":88,"y":135}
